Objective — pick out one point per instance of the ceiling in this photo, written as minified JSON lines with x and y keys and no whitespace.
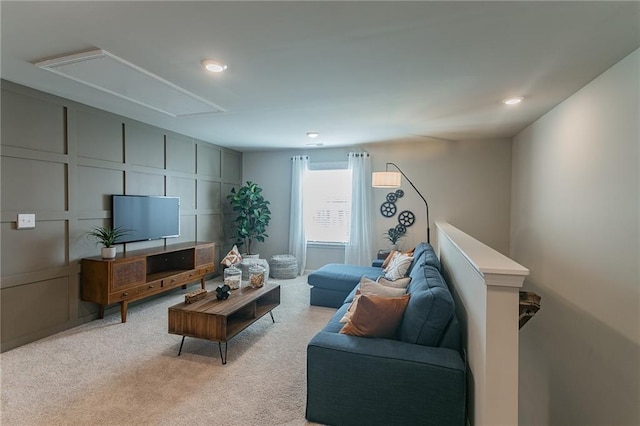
{"x":356,"y":72}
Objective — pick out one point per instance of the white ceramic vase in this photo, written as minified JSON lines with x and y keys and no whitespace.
{"x":108,"y":252}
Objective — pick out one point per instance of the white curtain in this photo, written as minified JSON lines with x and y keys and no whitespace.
{"x":297,"y":238}
{"x":360,"y":248}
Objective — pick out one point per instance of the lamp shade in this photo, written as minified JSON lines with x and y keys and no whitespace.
{"x":386,"y":179}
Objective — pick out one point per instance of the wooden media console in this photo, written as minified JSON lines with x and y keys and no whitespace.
{"x":135,"y":275}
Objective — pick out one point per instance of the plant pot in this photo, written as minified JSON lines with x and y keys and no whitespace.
{"x":108,"y":252}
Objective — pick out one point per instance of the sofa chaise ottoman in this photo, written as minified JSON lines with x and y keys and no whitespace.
{"x":333,"y":282}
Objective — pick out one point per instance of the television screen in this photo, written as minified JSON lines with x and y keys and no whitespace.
{"x":146,"y":217}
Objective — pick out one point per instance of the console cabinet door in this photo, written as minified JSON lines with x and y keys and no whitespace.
{"x":205,"y":255}
{"x":128,"y":274}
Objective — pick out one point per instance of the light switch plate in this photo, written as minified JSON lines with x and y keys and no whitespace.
{"x":26,"y":220}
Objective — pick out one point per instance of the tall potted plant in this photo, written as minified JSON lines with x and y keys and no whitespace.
{"x":107,"y":237}
{"x":252,"y":215}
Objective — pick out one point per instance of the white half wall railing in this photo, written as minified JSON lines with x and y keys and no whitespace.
{"x":486,"y":287}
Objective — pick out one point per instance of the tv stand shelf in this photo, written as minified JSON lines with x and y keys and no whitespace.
{"x":137,"y":274}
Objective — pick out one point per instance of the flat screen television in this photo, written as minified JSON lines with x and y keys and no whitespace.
{"x":146,"y":217}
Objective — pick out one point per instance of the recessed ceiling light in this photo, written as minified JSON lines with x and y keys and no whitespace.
{"x":313,"y":134}
{"x":513,"y":101}
{"x":213,"y":66}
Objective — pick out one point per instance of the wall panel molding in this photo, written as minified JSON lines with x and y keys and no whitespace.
{"x":96,"y":154}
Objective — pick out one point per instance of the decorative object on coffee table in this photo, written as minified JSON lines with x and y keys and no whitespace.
{"x":194,"y":296}
{"x":256,"y":276}
{"x":222,"y":292}
{"x":283,"y":266}
{"x":233,"y":277}
{"x":248,"y":261}
{"x":232,"y":258}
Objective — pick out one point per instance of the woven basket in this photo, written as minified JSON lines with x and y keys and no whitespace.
{"x":283,"y":266}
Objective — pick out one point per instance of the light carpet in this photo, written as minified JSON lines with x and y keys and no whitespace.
{"x":108,"y":373}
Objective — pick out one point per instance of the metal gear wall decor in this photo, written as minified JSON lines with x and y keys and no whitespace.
{"x":388,"y":209}
{"x":406,"y":218}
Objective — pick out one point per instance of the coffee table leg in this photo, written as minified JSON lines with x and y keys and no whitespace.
{"x":224,"y":358}
{"x":181,"y":343}
{"x":272,"y":320}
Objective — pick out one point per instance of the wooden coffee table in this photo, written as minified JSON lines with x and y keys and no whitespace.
{"x":220,"y":320}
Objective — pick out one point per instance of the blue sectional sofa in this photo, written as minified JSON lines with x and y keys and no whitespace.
{"x":418,"y":378}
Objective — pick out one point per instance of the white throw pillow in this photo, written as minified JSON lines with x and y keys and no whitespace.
{"x":372,"y":288}
{"x":399,"y":283}
{"x":398,"y":267}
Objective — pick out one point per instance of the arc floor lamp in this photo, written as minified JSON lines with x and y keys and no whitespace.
{"x":389,"y":179}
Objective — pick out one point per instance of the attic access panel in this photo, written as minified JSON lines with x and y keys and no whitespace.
{"x":104,"y":71}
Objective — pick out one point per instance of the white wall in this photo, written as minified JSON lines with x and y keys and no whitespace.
{"x":466,"y":183}
{"x":575,"y":225}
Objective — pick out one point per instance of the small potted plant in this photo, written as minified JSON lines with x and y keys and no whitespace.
{"x":393,"y":235}
{"x":107,"y":236}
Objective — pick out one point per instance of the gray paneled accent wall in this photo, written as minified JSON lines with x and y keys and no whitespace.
{"x":61,"y":161}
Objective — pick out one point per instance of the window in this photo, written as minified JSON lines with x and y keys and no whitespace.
{"x":327,"y":205}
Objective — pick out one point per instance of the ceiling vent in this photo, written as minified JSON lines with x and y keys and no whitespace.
{"x":105,"y":71}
